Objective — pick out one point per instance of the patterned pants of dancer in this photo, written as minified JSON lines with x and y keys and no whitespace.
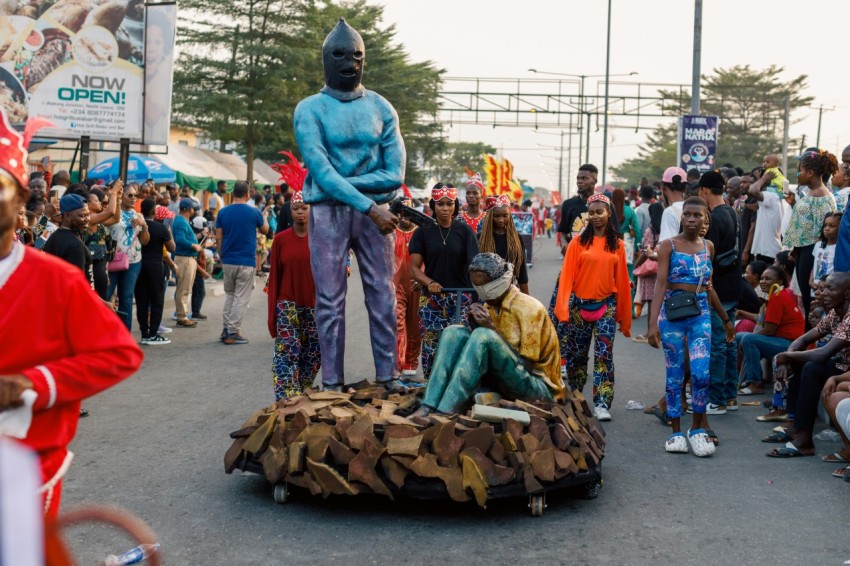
{"x":436,"y":312}
{"x":297,"y":357}
{"x":579,"y":335}
{"x":560,"y":327}
{"x":674,"y":334}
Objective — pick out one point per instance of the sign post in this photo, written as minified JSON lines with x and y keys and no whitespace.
{"x":697,"y":143}
{"x":85,"y":152}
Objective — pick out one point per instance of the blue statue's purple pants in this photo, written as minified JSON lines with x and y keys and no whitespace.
{"x":334,"y":229}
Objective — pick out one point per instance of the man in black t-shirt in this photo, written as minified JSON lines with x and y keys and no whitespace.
{"x":66,"y":242}
{"x":726,"y":279}
{"x":574,"y":210}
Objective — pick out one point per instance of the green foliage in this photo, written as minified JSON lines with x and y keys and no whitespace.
{"x":450,"y":164}
{"x":245,"y":64}
{"x":751,"y":107}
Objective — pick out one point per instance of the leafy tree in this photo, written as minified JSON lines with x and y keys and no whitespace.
{"x":246,"y":63}
{"x":232,"y":69}
{"x":454,"y":158}
{"x":751,"y":106}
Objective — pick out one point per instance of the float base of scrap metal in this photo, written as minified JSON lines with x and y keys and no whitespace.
{"x":361,"y":442}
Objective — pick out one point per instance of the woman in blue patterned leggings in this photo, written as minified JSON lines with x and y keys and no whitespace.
{"x":684,"y":265}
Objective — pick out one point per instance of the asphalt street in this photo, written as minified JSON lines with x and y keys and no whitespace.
{"x":155,"y":445}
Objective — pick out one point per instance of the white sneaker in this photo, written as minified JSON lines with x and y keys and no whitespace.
{"x":676,"y":444}
{"x":602,"y":413}
{"x":164,"y":329}
{"x":712,"y":409}
{"x":701,"y":444}
{"x":155,"y":340}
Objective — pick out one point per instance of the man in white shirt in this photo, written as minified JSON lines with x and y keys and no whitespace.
{"x":673,"y":190}
{"x":767,"y":235}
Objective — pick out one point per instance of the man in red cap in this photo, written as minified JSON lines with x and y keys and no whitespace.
{"x":82,"y":348}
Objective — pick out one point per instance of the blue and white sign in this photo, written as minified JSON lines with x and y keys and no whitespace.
{"x":697,"y":143}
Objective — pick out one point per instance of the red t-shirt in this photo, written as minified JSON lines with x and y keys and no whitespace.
{"x":782,"y":310}
{"x":290,"y":277}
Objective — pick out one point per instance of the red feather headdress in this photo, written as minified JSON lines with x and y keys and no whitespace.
{"x":291,"y":172}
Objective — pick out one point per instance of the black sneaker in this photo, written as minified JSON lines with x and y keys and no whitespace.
{"x":155,"y":340}
{"x":199,"y":316}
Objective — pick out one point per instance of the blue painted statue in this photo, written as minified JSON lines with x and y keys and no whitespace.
{"x":350,"y":141}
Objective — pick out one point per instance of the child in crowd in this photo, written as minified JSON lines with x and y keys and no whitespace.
{"x":771,"y":166}
{"x":824,"y":251}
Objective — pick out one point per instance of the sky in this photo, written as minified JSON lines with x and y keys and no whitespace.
{"x":654,"y":38}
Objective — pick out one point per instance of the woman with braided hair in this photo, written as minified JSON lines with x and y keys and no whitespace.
{"x":804,"y":229}
{"x":594,"y":293}
{"x":499,"y":236}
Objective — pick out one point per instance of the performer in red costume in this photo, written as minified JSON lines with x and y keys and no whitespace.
{"x":473,"y":214}
{"x":407,"y":292}
{"x":80,"y":349}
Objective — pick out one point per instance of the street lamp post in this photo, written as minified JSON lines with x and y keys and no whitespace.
{"x":607,"y":77}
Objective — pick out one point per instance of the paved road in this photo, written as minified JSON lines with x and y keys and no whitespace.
{"x":155,"y":443}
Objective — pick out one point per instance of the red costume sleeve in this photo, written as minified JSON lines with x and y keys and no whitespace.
{"x":103,"y":352}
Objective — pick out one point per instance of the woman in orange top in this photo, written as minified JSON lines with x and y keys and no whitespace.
{"x":594,"y":293}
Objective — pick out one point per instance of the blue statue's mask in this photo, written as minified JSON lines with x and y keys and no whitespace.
{"x":343,"y":54}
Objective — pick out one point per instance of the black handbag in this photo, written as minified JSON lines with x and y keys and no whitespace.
{"x":683,"y":304}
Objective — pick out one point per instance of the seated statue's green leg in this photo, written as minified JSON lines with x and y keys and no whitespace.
{"x":452,"y":342}
{"x":487,"y":353}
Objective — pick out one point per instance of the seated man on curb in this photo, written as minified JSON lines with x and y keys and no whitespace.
{"x":814,"y":367}
{"x":512,"y":348}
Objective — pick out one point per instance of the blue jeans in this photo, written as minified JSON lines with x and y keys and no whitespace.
{"x":756,"y":347}
{"x":126,"y":283}
{"x":722,"y":366}
{"x":687,"y":337}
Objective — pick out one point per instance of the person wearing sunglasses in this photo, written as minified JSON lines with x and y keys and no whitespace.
{"x":130,"y":234}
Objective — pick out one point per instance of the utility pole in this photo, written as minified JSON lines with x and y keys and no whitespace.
{"x":570,"y":156}
{"x":820,"y":115}
{"x":605,"y":126}
{"x":697,"y":55}
{"x":561,"y":168}
{"x":580,"y":116}
{"x":786,"y":121}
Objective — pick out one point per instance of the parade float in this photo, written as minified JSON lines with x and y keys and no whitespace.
{"x":361,"y":442}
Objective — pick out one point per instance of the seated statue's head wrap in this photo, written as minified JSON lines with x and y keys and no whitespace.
{"x":343,"y":55}
{"x":500,"y":272}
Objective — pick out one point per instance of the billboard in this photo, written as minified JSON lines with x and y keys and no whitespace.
{"x":697,"y":143}
{"x":160,"y":32}
{"x":79,"y":64}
